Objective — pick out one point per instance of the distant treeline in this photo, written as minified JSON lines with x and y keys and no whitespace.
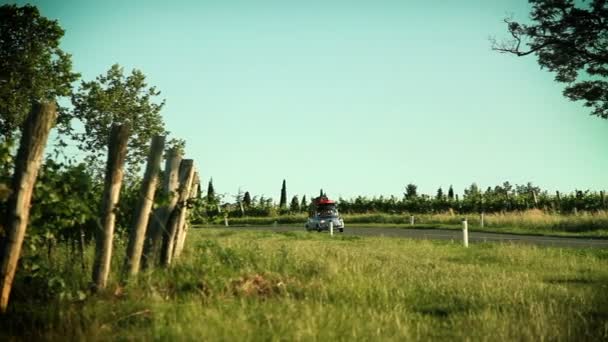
{"x":501,"y":198}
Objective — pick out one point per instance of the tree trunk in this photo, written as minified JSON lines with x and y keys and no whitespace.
{"x":29,"y":157}
{"x":146,"y":199}
{"x":160,"y":218}
{"x":117,"y":151}
{"x":186,"y":172}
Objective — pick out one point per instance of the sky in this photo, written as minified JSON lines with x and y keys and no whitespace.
{"x":354,"y":97}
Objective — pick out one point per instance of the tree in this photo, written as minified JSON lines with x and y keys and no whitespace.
{"x":411,"y":191}
{"x":247,"y":199}
{"x":568,"y":38}
{"x":283,"y":201}
{"x":210,"y":192}
{"x":32,"y":66}
{"x":472,"y":191}
{"x":294,"y":206}
{"x":115,"y":99}
{"x":451,"y":193}
{"x":304,"y":204}
{"x":439,"y":195}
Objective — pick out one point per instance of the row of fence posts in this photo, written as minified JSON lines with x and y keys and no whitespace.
{"x":156,"y":237}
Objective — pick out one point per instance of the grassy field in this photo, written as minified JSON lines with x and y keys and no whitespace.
{"x":258,"y":286}
{"x":536,"y":222}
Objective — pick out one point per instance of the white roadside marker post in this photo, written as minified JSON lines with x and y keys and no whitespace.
{"x":482,"y":219}
{"x":465,"y":232}
{"x":331,"y":228}
{"x":226,"y":221}
{"x":411,"y":220}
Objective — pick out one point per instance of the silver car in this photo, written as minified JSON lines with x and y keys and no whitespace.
{"x":322,"y":217}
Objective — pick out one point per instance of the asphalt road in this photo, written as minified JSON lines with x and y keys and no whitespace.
{"x":449,"y":234}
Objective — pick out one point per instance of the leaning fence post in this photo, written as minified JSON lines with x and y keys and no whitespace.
{"x":465,"y":232}
{"x":182,"y":227}
{"x":117,"y":151}
{"x":29,"y":157}
{"x":160,"y":217}
{"x":186,"y":172}
{"x":146,"y":199}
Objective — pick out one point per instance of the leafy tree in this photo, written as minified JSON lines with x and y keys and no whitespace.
{"x":472,"y":191}
{"x":304,"y":204}
{"x":247,"y":199}
{"x":294,"y":206}
{"x":114,"y":98}
{"x":569,"y":38}
{"x":32,"y":66}
{"x":451,"y":193}
{"x":411,"y":191}
{"x":283,"y":201}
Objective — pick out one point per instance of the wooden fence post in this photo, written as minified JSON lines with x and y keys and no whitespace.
{"x":29,"y":157}
{"x":465,"y":232}
{"x":186,"y":172}
{"x":159,"y":221}
{"x":117,"y":151}
{"x":183,"y":223}
{"x":142,"y":213}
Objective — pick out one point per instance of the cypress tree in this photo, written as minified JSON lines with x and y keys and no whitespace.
{"x":451,"y":193}
{"x":439,"y":194}
{"x":210,"y":192}
{"x":247,"y":199}
{"x":283,"y":202}
{"x":304,"y":204}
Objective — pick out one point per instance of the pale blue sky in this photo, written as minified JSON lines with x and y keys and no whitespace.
{"x":355,"y":97}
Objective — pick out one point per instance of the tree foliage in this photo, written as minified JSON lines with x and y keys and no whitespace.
{"x":210,"y":192}
{"x":451,"y":193}
{"x":569,"y":38}
{"x":294,"y":206}
{"x":32,"y":66}
{"x":411,"y":191}
{"x":283,"y":201}
{"x":114,"y":98}
{"x":247,"y":199}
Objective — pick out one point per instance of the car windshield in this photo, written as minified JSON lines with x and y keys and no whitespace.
{"x":326,"y":211}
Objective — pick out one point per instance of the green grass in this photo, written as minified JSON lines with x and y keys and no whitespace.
{"x":531,"y":222}
{"x":246,"y":285}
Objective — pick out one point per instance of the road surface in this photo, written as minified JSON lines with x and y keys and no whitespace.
{"x":450,"y":234}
